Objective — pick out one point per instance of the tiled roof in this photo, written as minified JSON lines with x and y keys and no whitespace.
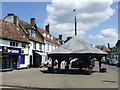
{"x":77,"y":46}
{"x":25,"y":24}
{"x":102,"y":47}
{"x":48,"y":39}
{"x":61,"y":41}
{"x":11,"y":32}
{"x":29,"y":26}
{"x":42,"y":30}
{"x":118,"y":43}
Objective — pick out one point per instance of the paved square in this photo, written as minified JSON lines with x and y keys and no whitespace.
{"x":34,"y":77}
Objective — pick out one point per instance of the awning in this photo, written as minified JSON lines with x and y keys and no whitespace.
{"x":40,"y":53}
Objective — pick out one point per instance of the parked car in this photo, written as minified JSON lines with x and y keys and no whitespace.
{"x":82,"y":63}
{"x":107,"y":60}
{"x":113,"y":61}
{"x":118,"y":64}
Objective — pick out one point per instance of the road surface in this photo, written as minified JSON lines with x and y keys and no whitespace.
{"x":39,"y":78}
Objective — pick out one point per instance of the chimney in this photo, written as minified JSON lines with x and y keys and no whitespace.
{"x":48,"y":28}
{"x":68,"y":38}
{"x":16,"y":20}
{"x":10,"y":18}
{"x":11,"y":14}
{"x":33,"y":21}
{"x":60,"y":37}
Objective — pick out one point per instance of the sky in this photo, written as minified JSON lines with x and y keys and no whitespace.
{"x":97,"y":22}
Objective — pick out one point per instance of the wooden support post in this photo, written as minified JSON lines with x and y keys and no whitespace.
{"x":100,"y":62}
{"x":105,"y":59}
{"x":67,"y":66}
{"x":59,"y":64}
{"x":53,"y":63}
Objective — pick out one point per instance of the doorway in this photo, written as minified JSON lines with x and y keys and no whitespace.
{"x":15,"y":60}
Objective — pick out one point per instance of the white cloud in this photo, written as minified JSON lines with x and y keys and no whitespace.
{"x":107,"y":36}
{"x":89,"y":14}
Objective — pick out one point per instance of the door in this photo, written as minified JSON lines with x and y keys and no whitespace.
{"x":30,"y":61}
{"x":14,"y":58}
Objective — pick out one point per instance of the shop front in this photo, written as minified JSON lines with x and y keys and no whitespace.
{"x":11,"y":58}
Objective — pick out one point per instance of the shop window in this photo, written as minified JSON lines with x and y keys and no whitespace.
{"x":22,"y":59}
{"x":6,"y":62}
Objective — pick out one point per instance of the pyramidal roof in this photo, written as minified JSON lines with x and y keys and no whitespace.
{"x":77,"y":46}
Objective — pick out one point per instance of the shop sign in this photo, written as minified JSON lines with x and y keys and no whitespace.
{"x":22,"y":51}
{"x":5,"y":51}
{"x":11,"y":51}
{"x":14,"y":51}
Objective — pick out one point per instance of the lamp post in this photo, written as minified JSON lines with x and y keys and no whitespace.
{"x":75,"y":22}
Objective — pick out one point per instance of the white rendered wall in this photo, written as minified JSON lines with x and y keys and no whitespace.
{"x":26,"y":51}
{"x":26,"y":62}
{"x":52,"y":46}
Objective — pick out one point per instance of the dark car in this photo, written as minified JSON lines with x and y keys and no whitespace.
{"x":118,"y":64}
{"x":76,"y":63}
{"x":113,"y":61}
{"x":83,"y":63}
{"x":107,"y":60}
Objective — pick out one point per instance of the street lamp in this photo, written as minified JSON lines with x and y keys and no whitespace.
{"x":75,"y":22}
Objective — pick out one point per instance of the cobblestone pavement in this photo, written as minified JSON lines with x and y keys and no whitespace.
{"x":39,"y":78}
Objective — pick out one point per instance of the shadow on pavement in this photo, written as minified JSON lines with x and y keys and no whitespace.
{"x":63,"y":71}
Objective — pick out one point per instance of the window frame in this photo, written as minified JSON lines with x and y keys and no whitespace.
{"x":40,"y":46}
{"x":24,"y":45}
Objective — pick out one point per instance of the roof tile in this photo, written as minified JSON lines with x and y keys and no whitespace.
{"x":103,"y":47}
{"x":48,"y":39}
{"x":10,"y":31}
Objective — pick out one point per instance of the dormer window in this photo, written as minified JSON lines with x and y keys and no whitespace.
{"x":40,"y":47}
{"x":98,"y":47}
{"x":51,"y":37}
{"x":33,"y":33}
{"x":29,"y":30}
{"x":48,"y":36}
{"x":58,"y":41}
{"x":101,"y":48}
{"x":44,"y":34}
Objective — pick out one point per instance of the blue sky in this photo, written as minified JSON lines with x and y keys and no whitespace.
{"x":26,"y":10}
{"x":41,"y":10}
